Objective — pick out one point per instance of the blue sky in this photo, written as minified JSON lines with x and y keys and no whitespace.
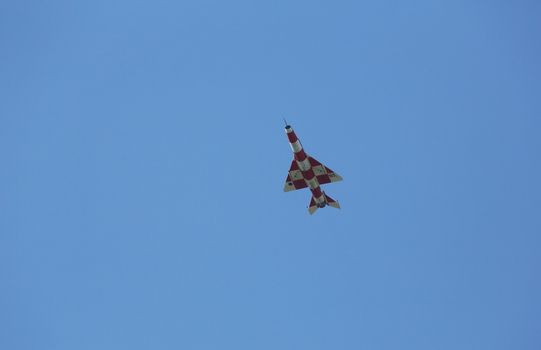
{"x":143,"y":159}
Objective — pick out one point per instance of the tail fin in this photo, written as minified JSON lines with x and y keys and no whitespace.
{"x":331,"y":202}
{"x":328,"y":201}
{"x":313,"y":206}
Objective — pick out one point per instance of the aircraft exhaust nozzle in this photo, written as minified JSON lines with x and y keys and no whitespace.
{"x":314,"y":205}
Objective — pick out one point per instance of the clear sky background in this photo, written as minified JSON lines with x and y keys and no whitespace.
{"x":143,"y":158}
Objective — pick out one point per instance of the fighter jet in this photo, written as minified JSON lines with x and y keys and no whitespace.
{"x":305,"y":171}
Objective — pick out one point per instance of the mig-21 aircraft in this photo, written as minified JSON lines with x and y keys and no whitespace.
{"x":305,"y":171}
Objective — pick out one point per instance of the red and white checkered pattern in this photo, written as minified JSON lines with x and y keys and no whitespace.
{"x":306,"y":171}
